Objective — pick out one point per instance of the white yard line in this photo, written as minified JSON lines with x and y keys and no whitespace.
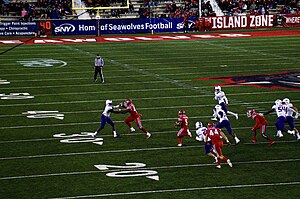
{"x":159,"y":167}
{"x":139,"y":75}
{"x":120,"y":151}
{"x":183,"y":190}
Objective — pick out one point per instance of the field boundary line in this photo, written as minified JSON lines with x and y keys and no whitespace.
{"x":183,"y":189}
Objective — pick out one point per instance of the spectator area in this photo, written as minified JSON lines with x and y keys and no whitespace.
{"x":62,"y":9}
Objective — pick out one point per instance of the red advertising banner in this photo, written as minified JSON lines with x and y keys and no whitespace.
{"x":238,"y":22}
{"x":290,"y":20}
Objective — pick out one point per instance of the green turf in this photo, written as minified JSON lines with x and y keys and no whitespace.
{"x":161,"y":78}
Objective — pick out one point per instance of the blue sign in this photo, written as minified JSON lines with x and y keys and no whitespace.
{"x":18,"y":28}
{"x":118,"y":26}
{"x":74,"y":27}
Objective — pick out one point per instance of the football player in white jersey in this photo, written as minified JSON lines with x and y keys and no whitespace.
{"x":105,"y":118}
{"x":224,"y":122}
{"x":200,"y":136}
{"x":223,"y":101}
{"x":280,"y":110}
{"x":290,"y":111}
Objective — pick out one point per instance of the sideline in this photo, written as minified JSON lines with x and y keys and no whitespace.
{"x":184,"y":189}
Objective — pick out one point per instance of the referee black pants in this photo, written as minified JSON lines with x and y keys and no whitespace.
{"x":98,"y":69}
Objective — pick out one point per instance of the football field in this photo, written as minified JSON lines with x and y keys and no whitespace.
{"x":50,"y":105}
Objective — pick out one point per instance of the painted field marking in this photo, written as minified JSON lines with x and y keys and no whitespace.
{"x":44,"y":114}
{"x":182,"y":190}
{"x":159,"y":167}
{"x":120,"y":151}
{"x":129,"y":170}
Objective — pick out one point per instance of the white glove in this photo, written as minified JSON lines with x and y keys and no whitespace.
{"x":297,"y":115}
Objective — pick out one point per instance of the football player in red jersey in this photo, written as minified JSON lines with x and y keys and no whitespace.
{"x":134,"y":116}
{"x":260,"y":123}
{"x":184,"y":129}
{"x":216,"y":136}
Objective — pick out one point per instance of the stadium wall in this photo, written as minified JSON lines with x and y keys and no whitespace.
{"x":148,"y":25}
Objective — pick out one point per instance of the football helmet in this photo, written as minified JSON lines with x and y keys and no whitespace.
{"x":127,"y":102}
{"x":181,"y":112}
{"x":210,"y":125}
{"x":278,"y":102}
{"x":198,"y":125}
{"x":107,"y":102}
{"x":218,"y":107}
{"x":286,"y":100}
{"x":217,"y":88}
{"x":251,"y":112}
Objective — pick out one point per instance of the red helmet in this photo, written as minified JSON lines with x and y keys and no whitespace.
{"x":127,"y":102}
{"x":251,"y":112}
{"x":181,"y":112}
{"x":210,"y":125}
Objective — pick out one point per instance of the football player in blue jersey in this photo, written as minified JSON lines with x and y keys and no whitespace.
{"x":290,"y":111}
{"x":105,"y":118}
{"x":224,"y":122}
{"x":223,"y":101}
{"x":208,"y":146}
{"x":280,"y":110}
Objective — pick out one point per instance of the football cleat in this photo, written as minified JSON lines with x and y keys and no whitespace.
{"x":272,"y":142}
{"x":253,"y":141}
{"x":179,"y":145}
{"x":291,"y":132}
{"x":116,"y":134}
{"x":279,"y":134}
{"x":131,"y":130}
{"x":237,"y":140}
{"x":148,"y":135}
{"x":229,"y":163}
{"x":218,"y":166}
{"x":94,"y":135}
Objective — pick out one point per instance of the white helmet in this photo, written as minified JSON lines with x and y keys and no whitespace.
{"x":108,"y":102}
{"x":218,"y":107}
{"x":218,"y":88}
{"x":286,"y":100}
{"x":278,"y":102}
{"x":198,"y":125}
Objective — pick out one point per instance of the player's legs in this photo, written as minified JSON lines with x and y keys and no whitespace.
{"x":96,"y":73}
{"x":263,"y":130}
{"x":180,"y":134}
{"x":128,"y":121}
{"x":229,"y":130}
{"x":280,"y":126}
{"x":254,"y":139}
{"x":138,"y":122}
{"x":293,"y":130}
{"x":109,"y":121}
{"x":224,"y":107}
{"x":101,"y":74}
{"x":102,"y":124}
{"x":208,"y":150}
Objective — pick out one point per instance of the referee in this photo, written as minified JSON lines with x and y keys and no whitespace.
{"x":99,"y":64}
